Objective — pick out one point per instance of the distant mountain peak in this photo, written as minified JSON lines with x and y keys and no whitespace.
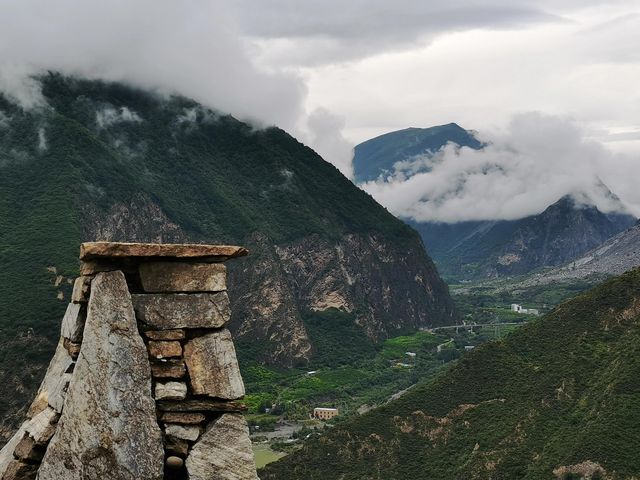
{"x":377,"y":156}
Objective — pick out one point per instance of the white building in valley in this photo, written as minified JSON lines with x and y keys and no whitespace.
{"x":515,"y":307}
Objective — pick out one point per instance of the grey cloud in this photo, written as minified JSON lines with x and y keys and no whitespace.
{"x":326,"y":136}
{"x":621,"y":136}
{"x":4,"y":120}
{"x":250,"y":58}
{"x":297,"y":32}
{"x":42,"y":139}
{"x":370,"y":18}
{"x":613,"y":40}
{"x":194,"y":49}
{"x":521,"y":171}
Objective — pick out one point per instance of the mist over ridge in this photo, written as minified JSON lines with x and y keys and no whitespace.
{"x":514,"y":173}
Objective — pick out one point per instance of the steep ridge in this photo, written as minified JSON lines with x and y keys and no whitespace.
{"x":562,"y":232}
{"x":106,"y":162}
{"x":615,"y":256}
{"x":558,"y":398}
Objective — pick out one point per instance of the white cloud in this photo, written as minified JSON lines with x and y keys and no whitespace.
{"x":42,"y":140}
{"x":336,"y":73}
{"x":326,"y":136}
{"x":521,"y":171}
{"x":191,"y":48}
{"x":107,"y":116}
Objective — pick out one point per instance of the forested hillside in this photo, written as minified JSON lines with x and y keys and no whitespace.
{"x":102,"y":161}
{"x":558,"y":398}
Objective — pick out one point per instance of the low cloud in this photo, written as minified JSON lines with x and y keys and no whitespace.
{"x":272,"y":62}
{"x":326,"y":137}
{"x":108,"y":116}
{"x":535,"y":161}
{"x":194,"y":49}
{"x":42,"y":140}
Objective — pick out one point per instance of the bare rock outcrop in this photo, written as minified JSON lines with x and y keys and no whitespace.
{"x":223,"y":451}
{"x":108,"y":429}
{"x":212,"y":365}
{"x":54,"y":385}
{"x":130,"y":391}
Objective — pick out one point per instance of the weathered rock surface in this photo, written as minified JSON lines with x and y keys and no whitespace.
{"x":213,"y":367}
{"x":91,"y":267}
{"x":108,"y":429}
{"x":42,"y":426}
{"x":54,"y":385}
{"x":169,"y":369}
{"x":183,"y":277}
{"x":161,"y":350}
{"x":165,"y":334}
{"x":181,"y":310}
{"x":171,"y":391}
{"x":81,"y":287}
{"x":183,"y":432}
{"x":6,"y":454}
{"x":176,"y":446}
{"x":201,"y":405}
{"x":186,"y":418}
{"x":73,"y":322}
{"x":92,"y":250}
{"x":28,"y":450}
{"x":223,"y":452}
{"x":18,"y":470}
{"x":174,"y":462}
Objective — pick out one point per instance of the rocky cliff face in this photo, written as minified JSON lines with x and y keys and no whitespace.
{"x":617,"y":255}
{"x":564,"y":231}
{"x":388,"y":288}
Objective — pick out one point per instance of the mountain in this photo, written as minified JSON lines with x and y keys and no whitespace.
{"x":558,"y":398}
{"x":466,"y":250}
{"x":564,"y":231}
{"x":613,"y":257}
{"x":103,"y":161}
{"x":378,"y":155}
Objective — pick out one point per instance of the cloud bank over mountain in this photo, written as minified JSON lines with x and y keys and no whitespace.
{"x":334,"y":73}
{"x":523,"y":169}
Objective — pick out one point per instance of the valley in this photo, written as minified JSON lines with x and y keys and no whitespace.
{"x":385,"y":373}
{"x":506,"y":409}
{"x":360,"y":379}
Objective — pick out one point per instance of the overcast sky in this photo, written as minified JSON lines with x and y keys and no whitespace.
{"x":337,"y":72}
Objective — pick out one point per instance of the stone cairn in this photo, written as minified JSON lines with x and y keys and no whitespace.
{"x":144,"y":383}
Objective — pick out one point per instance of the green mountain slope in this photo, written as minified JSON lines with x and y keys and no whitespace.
{"x":558,"y":398}
{"x":107,"y":162}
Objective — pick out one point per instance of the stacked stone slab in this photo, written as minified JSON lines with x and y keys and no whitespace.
{"x":144,"y":383}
